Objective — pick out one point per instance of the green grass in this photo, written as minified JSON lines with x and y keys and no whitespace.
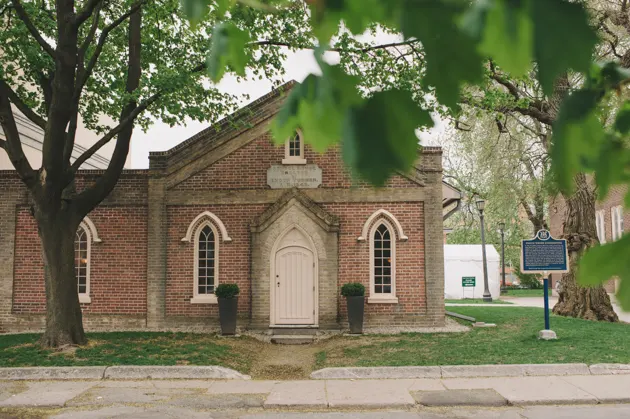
{"x":513,"y":341}
{"x":125,"y":348}
{"x":474,"y":301}
{"x":525,"y":293}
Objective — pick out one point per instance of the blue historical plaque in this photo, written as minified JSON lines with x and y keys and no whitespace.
{"x":543,"y":253}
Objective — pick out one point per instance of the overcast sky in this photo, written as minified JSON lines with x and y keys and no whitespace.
{"x":161,"y":137}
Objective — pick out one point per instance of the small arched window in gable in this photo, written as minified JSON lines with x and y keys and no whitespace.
{"x":294,"y":150}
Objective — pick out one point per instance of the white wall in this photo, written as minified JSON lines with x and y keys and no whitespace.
{"x":466,"y":260}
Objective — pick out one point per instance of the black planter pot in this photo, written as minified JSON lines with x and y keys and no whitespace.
{"x":227,"y":315}
{"x":356,"y":306}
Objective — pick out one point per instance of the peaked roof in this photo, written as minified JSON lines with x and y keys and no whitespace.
{"x":330,"y":220}
{"x":225,"y":126}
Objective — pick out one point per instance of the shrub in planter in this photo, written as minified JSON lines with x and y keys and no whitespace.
{"x":355,"y":300}
{"x":227,"y":295}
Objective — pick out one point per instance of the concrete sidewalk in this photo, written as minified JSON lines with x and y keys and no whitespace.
{"x":320,"y":394}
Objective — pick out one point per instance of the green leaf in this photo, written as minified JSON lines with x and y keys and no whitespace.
{"x":601,"y":263}
{"x":451,"y":55}
{"x":380,"y":136}
{"x":508,"y":35}
{"x":563,"y":39}
{"x":576,"y":134}
{"x":317,"y":107}
{"x":223,"y":6}
{"x":228,"y":50}
{"x":610,"y":165}
{"x":195,"y":10}
{"x":622,"y":121}
{"x":357,"y":16}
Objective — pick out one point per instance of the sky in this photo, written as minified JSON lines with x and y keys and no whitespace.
{"x":161,"y":136}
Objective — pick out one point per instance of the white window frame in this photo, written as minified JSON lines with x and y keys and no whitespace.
{"x":205,"y":298}
{"x":600,"y":222}
{"x":288,"y":159}
{"x":616,"y":215}
{"x":383,"y":298}
{"x":92,"y":237}
{"x":84,"y":297}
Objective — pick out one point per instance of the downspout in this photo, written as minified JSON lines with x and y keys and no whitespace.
{"x":453,"y":211}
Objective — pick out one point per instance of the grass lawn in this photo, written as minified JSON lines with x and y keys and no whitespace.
{"x":474,"y":301}
{"x":126,"y":348}
{"x":513,"y":341}
{"x":525,"y":293}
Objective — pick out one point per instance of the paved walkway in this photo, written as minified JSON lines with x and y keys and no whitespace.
{"x":624,"y":316}
{"x":319,"y":394}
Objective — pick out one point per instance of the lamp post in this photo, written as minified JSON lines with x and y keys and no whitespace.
{"x":487,"y":297}
{"x":502,"y":228}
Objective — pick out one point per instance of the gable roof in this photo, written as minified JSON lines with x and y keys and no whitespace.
{"x":246,"y":116}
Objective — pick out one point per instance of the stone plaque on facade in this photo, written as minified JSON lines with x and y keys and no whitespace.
{"x":294,"y":176}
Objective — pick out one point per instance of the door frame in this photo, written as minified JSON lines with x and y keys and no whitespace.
{"x":272,"y":278}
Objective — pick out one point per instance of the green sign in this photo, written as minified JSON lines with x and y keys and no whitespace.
{"x":468,"y":281}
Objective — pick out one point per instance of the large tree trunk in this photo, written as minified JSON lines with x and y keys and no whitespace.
{"x":581,"y":233}
{"x":64,"y":323}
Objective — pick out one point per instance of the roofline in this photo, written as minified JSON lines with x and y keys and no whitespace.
{"x":218,"y":126}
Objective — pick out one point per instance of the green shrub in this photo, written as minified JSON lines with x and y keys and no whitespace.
{"x":227,"y":291}
{"x":353,"y":289}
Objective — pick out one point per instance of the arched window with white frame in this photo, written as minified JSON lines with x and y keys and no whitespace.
{"x":382,"y":263}
{"x":85,"y":235}
{"x":206,"y":263}
{"x":294,"y":149}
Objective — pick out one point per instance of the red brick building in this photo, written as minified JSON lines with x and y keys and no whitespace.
{"x":287,"y":224}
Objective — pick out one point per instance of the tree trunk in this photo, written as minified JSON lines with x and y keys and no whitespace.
{"x":581,"y":233}
{"x":64,"y":323}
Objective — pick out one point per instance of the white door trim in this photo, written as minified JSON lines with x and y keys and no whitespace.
{"x":278,"y":245}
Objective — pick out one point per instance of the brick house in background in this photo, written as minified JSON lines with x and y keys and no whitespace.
{"x":287,"y":224}
{"x":610,"y":219}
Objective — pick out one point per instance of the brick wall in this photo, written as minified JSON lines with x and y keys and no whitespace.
{"x":246,"y":168}
{"x":233,"y":257}
{"x":118,"y":264}
{"x":354,"y":256}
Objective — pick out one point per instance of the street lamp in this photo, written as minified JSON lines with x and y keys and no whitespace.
{"x":487,"y":297}
{"x":502,"y":228}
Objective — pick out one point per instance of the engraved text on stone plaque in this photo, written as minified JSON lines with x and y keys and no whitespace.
{"x":294,"y":176}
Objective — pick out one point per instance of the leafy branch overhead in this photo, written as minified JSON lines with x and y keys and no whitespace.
{"x":457,"y":42}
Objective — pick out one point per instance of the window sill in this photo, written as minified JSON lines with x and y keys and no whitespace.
{"x":293,"y":160}
{"x":381,"y":300}
{"x":204,"y":299}
{"x":84,"y":299}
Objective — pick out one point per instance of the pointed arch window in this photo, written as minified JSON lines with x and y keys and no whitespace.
{"x":82,"y":250}
{"x":294,"y":150}
{"x":382,"y":263}
{"x":206,"y":264}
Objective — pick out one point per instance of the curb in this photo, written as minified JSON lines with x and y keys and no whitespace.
{"x":130,"y":372}
{"x":470,"y":371}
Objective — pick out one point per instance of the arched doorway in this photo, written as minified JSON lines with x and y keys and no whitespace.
{"x":294,"y":280}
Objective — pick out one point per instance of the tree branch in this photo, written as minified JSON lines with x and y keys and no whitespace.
{"x":356,"y":51}
{"x":23,"y":107}
{"x":19,"y":9}
{"x":87,"y":11}
{"x":101,"y":42}
{"x":115,"y":131}
{"x":12,"y":144}
{"x":93,"y":195}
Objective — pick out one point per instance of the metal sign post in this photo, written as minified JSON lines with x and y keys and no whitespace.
{"x":468,"y":281}
{"x":541,"y":255}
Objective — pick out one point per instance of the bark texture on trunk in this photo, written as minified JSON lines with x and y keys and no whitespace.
{"x":581,"y":233}
{"x":64,"y":322}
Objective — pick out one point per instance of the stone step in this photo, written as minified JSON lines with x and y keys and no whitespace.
{"x":292,"y":339}
{"x":293,"y":331}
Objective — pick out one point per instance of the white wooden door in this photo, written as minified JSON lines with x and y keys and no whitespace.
{"x":295,"y":286}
